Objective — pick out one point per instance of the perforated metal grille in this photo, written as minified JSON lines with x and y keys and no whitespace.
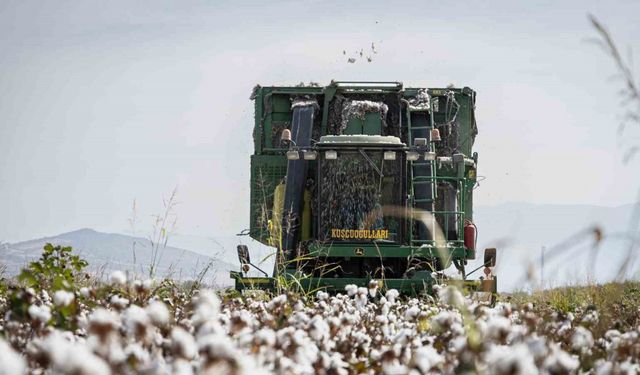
{"x":266,"y":173}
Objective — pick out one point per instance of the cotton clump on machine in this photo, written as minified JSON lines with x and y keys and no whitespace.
{"x":362,"y":181}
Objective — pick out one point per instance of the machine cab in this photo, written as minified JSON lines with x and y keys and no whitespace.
{"x":358,"y":178}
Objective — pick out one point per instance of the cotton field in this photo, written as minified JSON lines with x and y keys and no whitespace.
{"x":146,"y":327}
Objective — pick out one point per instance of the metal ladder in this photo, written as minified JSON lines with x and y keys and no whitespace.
{"x":423,"y":172}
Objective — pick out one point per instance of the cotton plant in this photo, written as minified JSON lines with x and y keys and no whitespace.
{"x":133,"y":326}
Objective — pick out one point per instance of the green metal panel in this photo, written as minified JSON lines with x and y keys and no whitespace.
{"x":257,"y":127}
{"x":354,"y":126}
{"x":388,"y":251}
{"x":280,"y":103}
{"x":266,"y":173}
{"x":372,"y":124}
{"x":465,"y":122}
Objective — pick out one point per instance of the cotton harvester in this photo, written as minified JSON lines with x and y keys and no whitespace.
{"x":362,"y":181}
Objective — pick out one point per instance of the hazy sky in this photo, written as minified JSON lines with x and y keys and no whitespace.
{"x":105,"y":102}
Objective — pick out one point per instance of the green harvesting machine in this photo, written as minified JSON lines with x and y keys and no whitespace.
{"x":362,"y":181}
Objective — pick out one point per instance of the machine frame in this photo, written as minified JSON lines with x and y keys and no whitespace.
{"x":270,"y":163}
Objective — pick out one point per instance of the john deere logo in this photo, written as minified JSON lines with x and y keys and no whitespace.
{"x":359,"y":251}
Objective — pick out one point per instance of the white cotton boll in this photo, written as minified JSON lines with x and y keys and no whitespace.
{"x":451,"y":295}
{"x":384,"y":310}
{"x":63,"y":298}
{"x":322,"y":305}
{"x":40,"y":313}
{"x":181,"y":367}
{"x":537,"y":346}
{"x":103,"y":316}
{"x":335,"y":363}
{"x":102,"y":321}
{"x":118,"y":301}
{"x":298,"y":306}
{"x":445,"y":319}
{"x":318,"y":328}
{"x":215,"y":347}
{"x":457,"y":344}
{"x":591,"y":317}
{"x":411,"y":313}
{"x":612,"y":334}
{"x":83,"y":321}
{"x":321,"y":295}
{"x":207,"y":306}
{"x":394,"y":368}
{"x":627,"y":367}
{"x":517,"y":333}
{"x":137,"y":352}
{"x":299,"y":317}
{"x":80,"y":361}
{"x":118,"y":278}
{"x":183,"y":344}
{"x":560,"y":362}
{"x":570,"y":317}
{"x":55,"y":347}
{"x":44,"y":296}
{"x":373,"y":288}
{"x":85,"y":292}
{"x":582,"y":339}
{"x":158,"y":313}
{"x":277,"y":301}
{"x":70,"y":358}
{"x":11,"y":363}
{"x":497,"y":327}
{"x":564,"y":328}
{"x":135,"y":318}
{"x":382,"y":319}
{"x":266,"y":337}
{"x":391,"y":295}
{"x":603,"y":367}
{"x":147,"y":284}
{"x":630,"y":337}
{"x":351,"y":290}
{"x":402,"y":337}
{"x":514,"y":359}
{"x":361,"y":300}
{"x":425,"y":358}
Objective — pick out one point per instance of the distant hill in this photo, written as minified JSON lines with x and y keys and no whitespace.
{"x":108,"y":251}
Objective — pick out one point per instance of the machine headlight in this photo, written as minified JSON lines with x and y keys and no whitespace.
{"x":420,"y":142}
{"x":331,"y":155}
{"x":293,"y":155}
{"x":389,"y":155}
{"x":309,"y":155}
{"x":430,"y":156}
{"x":413,"y":155}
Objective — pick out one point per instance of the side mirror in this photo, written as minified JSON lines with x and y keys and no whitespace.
{"x":243,"y":255}
{"x":490,"y":257}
